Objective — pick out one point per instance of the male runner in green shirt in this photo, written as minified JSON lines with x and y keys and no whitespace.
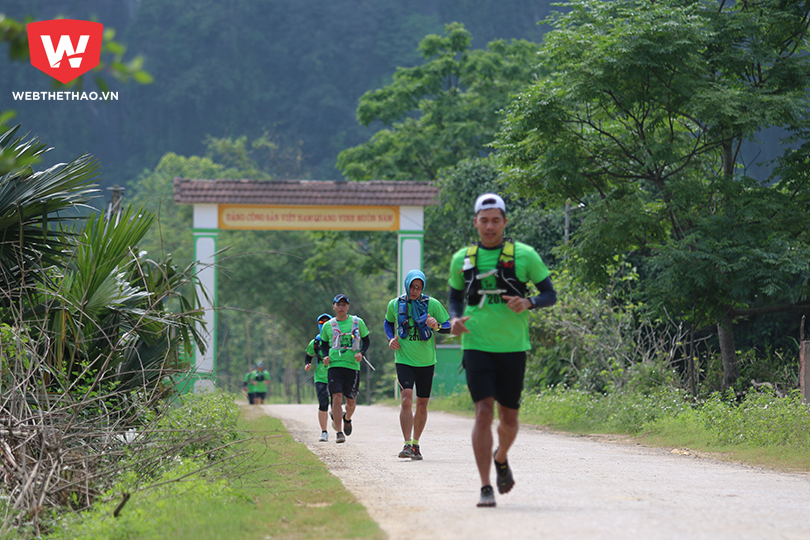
{"x":410,"y":321}
{"x":319,"y":349}
{"x":494,"y":327}
{"x":348,"y":340}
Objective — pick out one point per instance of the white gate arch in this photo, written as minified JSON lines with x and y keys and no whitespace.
{"x":296,"y":205}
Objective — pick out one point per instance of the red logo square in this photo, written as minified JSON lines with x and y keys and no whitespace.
{"x":65,"y":48}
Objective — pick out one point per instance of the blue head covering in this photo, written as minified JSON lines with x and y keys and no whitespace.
{"x":417,"y":308}
{"x":412,"y":275}
{"x":321,"y":316}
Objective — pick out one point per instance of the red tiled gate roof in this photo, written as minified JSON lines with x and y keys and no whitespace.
{"x":305,"y":192}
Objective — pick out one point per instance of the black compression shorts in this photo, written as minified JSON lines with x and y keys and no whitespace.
{"x":322,"y":391}
{"x":498,"y":375}
{"x":344,"y":381}
{"x":421,"y":376}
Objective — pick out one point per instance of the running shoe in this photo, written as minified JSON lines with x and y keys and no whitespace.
{"x":417,"y":455}
{"x":324,"y":437}
{"x":347,"y":426}
{"x":340,"y":437}
{"x":407,"y":451}
{"x":504,"y":479}
{"x":487,"y":497}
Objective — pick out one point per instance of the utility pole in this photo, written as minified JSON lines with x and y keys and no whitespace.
{"x":114,"y":208}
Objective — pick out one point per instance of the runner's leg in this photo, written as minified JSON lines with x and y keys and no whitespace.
{"x":351,"y":404}
{"x":406,"y":413}
{"x":420,"y":418}
{"x":482,"y":437}
{"x":337,"y":411}
{"x":507,"y":431}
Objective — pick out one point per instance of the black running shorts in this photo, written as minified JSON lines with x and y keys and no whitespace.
{"x":421,"y":376}
{"x":344,"y":381}
{"x":498,"y":375}
{"x":322,"y":391}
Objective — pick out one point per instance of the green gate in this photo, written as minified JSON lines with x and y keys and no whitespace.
{"x":448,"y":377}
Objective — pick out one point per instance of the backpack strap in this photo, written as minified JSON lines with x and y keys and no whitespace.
{"x":333,"y":322}
{"x":402,"y":316}
{"x":355,"y":331}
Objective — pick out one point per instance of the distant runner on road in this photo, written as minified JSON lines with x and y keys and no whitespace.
{"x":410,"y":321}
{"x":492,"y":276}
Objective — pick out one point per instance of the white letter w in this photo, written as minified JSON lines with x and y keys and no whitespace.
{"x":64,"y":47}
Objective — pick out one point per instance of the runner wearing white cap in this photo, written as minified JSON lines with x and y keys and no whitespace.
{"x":491,"y":277}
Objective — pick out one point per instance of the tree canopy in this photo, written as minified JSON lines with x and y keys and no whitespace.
{"x":441,"y":112}
{"x":641,"y":121}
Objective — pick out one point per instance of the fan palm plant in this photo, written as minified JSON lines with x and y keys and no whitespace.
{"x":36,"y":208}
{"x":106,"y":314}
{"x":95,"y":311}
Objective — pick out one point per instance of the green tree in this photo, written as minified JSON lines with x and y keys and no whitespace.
{"x":438,"y":119}
{"x":441,"y":112}
{"x":642,"y":122}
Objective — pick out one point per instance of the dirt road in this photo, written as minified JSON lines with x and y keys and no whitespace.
{"x":567,"y":487}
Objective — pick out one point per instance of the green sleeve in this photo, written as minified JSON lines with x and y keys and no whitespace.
{"x":437,"y":311}
{"x":391,"y":313}
{"x":536,"y":270}
{"x":456,"y":279}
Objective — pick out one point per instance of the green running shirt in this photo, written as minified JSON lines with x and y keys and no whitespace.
{"x":343,"y":357}
{"x":494,"y":327}
{"x":413,"y":351}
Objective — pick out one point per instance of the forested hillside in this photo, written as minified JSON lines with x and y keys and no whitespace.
{"x":291,"y":70}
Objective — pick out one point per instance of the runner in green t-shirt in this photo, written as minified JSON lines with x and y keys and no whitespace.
{"x":492,"y":277}
{"x":258,"y":378}
{"x":348,"y":340}
{"x":319,"y":349}
{"x":410,"y":321}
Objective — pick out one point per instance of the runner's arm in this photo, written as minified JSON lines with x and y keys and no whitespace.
{"x":307,"y":359}
{"x":456,"y":303}
{"x":445,"y":327}
{"x":389,"y":330}
{"x":364,"y":344}
{"x":547,"y":296}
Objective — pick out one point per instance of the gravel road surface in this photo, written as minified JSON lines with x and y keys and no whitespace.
{"x":567,"y":487}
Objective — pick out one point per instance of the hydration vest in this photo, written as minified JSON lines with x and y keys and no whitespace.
{"x":354,"y":333}
{"x":423,"y":330}
{"x":504,"y":272}
{"x":317,"y":346}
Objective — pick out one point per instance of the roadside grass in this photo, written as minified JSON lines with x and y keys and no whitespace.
{"x":285,"y":492}
{"x":761,"y":430}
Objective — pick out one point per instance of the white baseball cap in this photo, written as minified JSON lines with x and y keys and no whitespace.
{"x":489,"y":200}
